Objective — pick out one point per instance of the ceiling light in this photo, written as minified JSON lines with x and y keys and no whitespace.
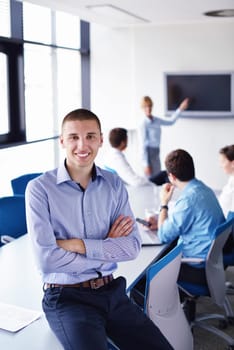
{"x":116,"y":13}
{"x":220,"y":13}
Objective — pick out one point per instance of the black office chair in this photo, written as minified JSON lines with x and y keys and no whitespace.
{"x":12,"y":218}
{"x":215,"y":287}
{"x":228,"y":256}
{"x":19,"y":184}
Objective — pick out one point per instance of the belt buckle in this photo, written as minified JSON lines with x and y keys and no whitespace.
{"x":95,"y":284}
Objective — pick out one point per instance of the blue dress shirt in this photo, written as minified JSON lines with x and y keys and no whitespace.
{"x":151,"y":131}
{"x":193,"y":219}
{"x":58,"y":208}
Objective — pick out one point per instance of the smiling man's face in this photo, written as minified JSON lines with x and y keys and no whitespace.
{"x":81,"y":140}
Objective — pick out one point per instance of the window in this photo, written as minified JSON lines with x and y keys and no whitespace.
{"x":68,"y":83}
{"x":4,"y":111}
{"x":67,"y":30}
{"x":5,"y":18}
{"x":52,"y":71}
{"x":37,"y":23}
{"x":52,"y":88}
{"x":38,"y":92}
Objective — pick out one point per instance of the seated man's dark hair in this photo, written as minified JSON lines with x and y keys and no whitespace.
{"x":116,"y":136}
{"x":180,"y":164}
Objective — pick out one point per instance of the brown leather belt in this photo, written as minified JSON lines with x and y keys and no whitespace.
{"x":92,"y":284}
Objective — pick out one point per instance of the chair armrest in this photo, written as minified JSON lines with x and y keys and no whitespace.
{"x":6,"y":239}
{"x":192,"y":260}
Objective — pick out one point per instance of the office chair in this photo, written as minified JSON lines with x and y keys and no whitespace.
{"x":162,"y":300}
{"x":19,"y":184}
{"x":215,"y":288}
{"x":12,"y":218}
{"x":110,"y":169}
{"x":228,"y":257}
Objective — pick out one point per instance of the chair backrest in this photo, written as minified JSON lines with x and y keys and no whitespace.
{"x":215,"y":273}
{"x":19,"y":183}
{"x":12,"y":216}
{"x":110,"y":169}
{"x":162,"y":301}
{"x":231,"y":216}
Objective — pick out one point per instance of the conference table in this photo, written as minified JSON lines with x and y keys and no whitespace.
{"x":21,"y":285}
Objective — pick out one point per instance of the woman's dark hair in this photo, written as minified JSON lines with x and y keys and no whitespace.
{"x":180,"y":164}
{"x":228,"y":152}
{"x":116,"y":136}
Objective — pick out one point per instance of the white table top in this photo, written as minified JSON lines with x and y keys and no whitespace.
{"x":21,"y":285}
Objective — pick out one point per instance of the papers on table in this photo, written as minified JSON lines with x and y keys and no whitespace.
{"x":148,"y":237}
{"x":13,"y":318}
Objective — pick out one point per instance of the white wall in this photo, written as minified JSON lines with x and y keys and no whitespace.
{"x":129,"y":63}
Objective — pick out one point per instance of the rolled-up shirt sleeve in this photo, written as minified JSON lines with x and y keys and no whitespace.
{"x":119,"y":248}
{"x":114,"y":249}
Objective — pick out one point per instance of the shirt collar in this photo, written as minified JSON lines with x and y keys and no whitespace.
{"x":149,"y":120}
{"x":190,"y":184}
{"x":63,"y":175}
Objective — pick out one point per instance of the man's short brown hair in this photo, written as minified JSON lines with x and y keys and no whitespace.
{"x":180,"y":164}
{"x":81,"y":114}
{"x":116,"y":136}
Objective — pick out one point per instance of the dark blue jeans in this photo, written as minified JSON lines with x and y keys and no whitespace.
{"x":82,"y":319}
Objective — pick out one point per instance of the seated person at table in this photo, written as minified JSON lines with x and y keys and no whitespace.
{"x":194,"y":217}
{"x":226,"y":198}
{"x":81,"y":225}
{"x":116,"y":159}
{"x":192,"y":220}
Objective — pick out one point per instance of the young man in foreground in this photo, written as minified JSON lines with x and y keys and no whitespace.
{"x":81,"y":225}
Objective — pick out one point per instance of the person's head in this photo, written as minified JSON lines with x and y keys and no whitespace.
{"x":81,"y":136}
{"x":118,"y":138}
{"x":226,"y":158}
{"x":179,"y":165}
{"x":147,"y":105}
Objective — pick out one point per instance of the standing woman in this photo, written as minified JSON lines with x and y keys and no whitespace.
{"x":151,"y":134}
{"x":226,"y":198}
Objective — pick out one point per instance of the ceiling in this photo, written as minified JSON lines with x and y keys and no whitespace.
{"x":141,"y":12}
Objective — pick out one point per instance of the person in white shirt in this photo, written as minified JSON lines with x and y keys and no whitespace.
{"x":226,"y":198}
{"x":117,"y":161}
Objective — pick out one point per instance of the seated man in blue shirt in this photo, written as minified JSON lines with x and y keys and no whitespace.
{"x":81,"y":225}
{"x":194,"y":217}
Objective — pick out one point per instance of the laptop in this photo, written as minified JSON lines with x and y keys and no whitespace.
{"x":148,"y":237}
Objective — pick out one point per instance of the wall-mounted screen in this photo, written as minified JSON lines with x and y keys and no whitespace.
{"x":210,"y":94}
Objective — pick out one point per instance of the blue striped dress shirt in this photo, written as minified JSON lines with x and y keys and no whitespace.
{"x":58,"y":208}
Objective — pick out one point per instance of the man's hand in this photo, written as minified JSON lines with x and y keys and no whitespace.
{"x":121,"y":227}
{"x":166,"y":193}
{"x":153,"y":220}
{"x":74,"y":245}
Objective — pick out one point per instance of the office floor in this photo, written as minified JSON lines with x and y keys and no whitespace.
{"x":204,"y":340}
